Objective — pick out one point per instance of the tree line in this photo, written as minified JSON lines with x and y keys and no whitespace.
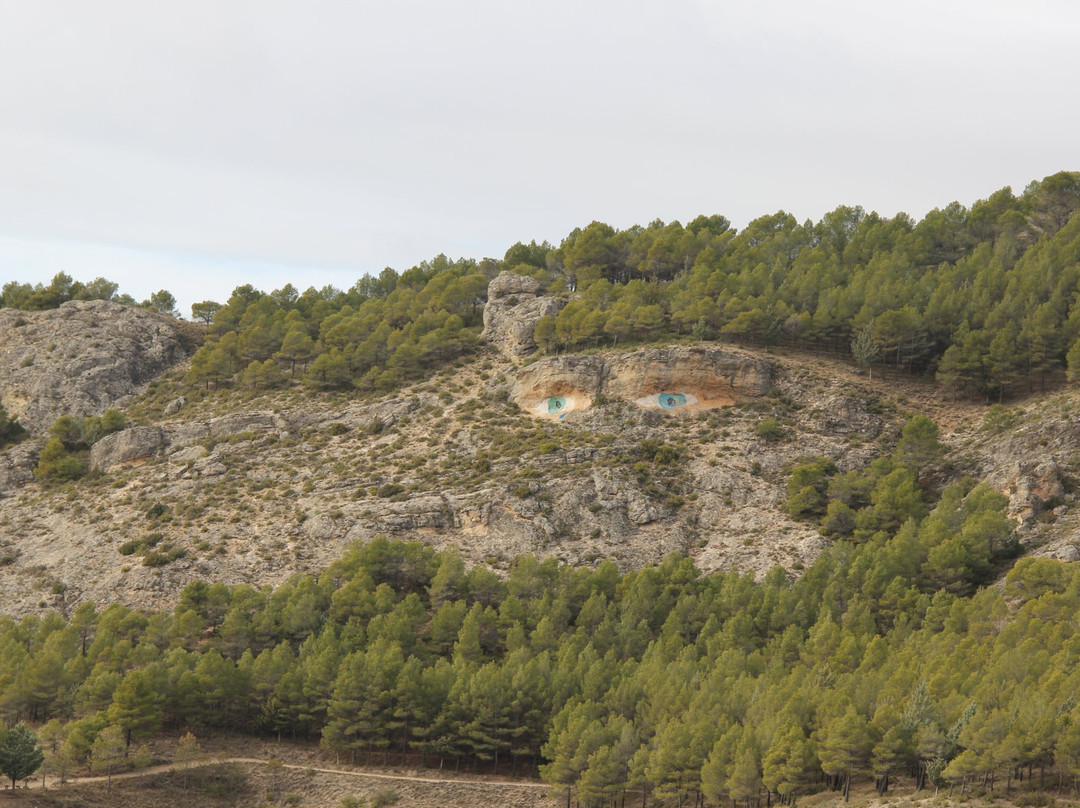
{"x":62,"y":288}
{"x":982,"y":298}
{"x":379,"y":334}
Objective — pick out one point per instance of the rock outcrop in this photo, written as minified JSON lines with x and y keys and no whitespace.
{"x":712,"y":376}
{"x":559,"y":376}
{"x":255,"y":496}
{"x":1031,"y":486}
{"x":137,"y":443}
{"x":142,"y":442}
{"x":17,"y":467}
{"x":512,"y":311}
{"x":716,"y":375}
{"x":82,"y":358}
{"x":1029,"y":465}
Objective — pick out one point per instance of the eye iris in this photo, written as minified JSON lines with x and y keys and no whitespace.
{"x":556,"y":404}
{"x":671,"y":401}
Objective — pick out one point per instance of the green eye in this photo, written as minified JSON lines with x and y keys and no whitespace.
{"x":555,"y":405}
{"x":671,"y":401}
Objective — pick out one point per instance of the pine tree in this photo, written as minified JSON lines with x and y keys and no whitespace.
{"x":108,"y":752}
{"x":20,"y":753}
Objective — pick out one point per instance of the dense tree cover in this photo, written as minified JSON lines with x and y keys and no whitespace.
{"x":383,"y":331}
{"x":875,"y":501}
{"x":985,"y":297}
{"x":883,"y":660}
{"x":62,"y":288}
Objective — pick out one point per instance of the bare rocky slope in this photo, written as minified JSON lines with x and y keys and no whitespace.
{"x":622,"y":455}
{"x":83,"y":357}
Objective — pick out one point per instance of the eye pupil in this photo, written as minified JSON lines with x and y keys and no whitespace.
{"x":671,"y":401}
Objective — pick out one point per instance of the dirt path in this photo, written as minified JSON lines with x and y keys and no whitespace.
{"x":54,"y":782}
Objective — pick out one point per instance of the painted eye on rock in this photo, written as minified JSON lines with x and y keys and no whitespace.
{"x":556,"y":405}
{"x":671,"y":401}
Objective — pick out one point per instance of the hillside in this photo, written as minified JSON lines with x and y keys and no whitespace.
{"x":438,"y":519}
{"x":245,"y":488}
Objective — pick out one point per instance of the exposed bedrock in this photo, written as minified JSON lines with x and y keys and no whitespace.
{"x":711,"y":374}
{"x":82,"y":358}
{"x":708,"y":376}
{"x":512,"y":311}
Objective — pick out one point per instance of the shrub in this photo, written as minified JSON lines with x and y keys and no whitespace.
{"x":10,"y":431}
{"x":56,"y":463}
{"x":387,"y":490}
{"x":385,"y":797}
{"x":658,"y":452}
{"x":998,"y":419}
{"x":769,"y":430}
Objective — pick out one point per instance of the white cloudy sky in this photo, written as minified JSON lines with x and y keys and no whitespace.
{"x":202,"y":144}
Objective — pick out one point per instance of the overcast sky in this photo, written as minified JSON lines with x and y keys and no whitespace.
{"x":199,"y":145}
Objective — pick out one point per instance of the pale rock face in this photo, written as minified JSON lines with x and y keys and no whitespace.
{"x":82,"y":358}
{"x":141,"y":442}
{"x":714,"y":376}
{"x":845,"y":415}
{"x":17,"y":467}
{"x":573,"y":382}
{"x":512,"y":311}
{"x":137,"y":443}
{"x":1032,"y":485}
{"x":1024,"y":465}
{"x":238,"y":422}
{"x":690,"y":378}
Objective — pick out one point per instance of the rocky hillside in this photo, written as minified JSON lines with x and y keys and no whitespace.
{"x":83,"y":357}
{"x":623,"y":455}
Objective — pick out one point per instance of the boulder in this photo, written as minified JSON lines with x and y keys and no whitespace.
{"x":137,"y":443}
{"x":508,"y":284}
{"x":175,"y":405}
